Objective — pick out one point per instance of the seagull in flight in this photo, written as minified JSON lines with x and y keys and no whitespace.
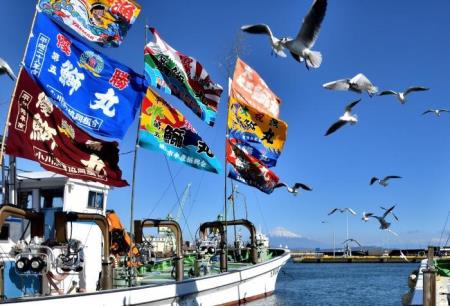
{"x":384,"y":225}
{"x":342,"y":210}
{"x":437,"y":112}
{"x":300,"y":47}
{"x":359,"y":83}
{"x":403,"y":256}
{"x":401,"y":96}
{"x":347,"y":117}
{"x":294,"y":189}
{"x":4,"y":68}
{"x":352,"y":240}
{"x":383,"y":182}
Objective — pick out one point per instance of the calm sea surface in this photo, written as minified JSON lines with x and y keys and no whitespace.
{"x":340,"y":284}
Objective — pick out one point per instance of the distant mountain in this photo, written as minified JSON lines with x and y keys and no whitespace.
{"x":282,"y":236}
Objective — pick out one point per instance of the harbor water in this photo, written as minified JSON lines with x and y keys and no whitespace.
{"x":340,"y":284}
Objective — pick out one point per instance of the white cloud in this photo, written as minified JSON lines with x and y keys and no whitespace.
{"x":283,"y":232}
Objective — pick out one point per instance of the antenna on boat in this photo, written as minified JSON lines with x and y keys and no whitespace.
{"x":12,"y":194}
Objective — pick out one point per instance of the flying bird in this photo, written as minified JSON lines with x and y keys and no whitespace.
{"x":383,"y":182}
{"x":300,"y":47}
{"x":437,"y":112}
{"x":294,"y":189}
{"x":384,"y":225}
{"x":342,"y":210}
{"x":4,"y":68}
{"x":403,"y":256}
{"x":347,"y":117}
{"x":401,"y":96}
{"x":359,"y":83}
{"x":352,"y":240}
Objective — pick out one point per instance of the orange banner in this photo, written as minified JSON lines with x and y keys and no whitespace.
{"x":248,"y":86}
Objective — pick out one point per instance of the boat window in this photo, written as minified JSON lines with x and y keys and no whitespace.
{"x":4,"y":235}
{"x":52,"y":198}
{"x":25,"y":199}
{"x":95,"y":200}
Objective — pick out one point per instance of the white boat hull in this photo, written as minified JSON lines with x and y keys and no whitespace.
{"x":229,"y":288}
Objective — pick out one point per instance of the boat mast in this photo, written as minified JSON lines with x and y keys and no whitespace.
{"x":12,"y":194}
{"x":135,"y":155}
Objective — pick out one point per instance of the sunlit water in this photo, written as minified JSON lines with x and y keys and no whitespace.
{"x":340,"y":284}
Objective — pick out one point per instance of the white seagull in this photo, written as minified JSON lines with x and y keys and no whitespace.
{"x":342,"y":210}
{"x":300,"y":47}
{"x":347,"y":117}
{"x":359,"y":83}
{"x":294,"y":189}
{"x":4,"y":68}
{"x":383,"y":182}
{"x":437,"y":112}
{"x":403,"y":256}
{"x":384,"y":225}
{"x":401,"y":96}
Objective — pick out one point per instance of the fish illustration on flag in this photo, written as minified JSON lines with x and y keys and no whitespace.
{"x":249,"y":87}
{"x":247,"y":169}
{"x":39,"y":131}
{"x":262,"y":135}
{"x":165,"y":129}
{"x":182,"y":76}
{"x":96,"y":92}
{"x":105,"y":22}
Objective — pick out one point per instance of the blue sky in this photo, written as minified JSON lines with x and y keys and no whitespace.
{"x":396,"y":44}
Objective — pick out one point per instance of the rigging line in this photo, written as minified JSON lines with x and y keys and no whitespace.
{"x":128,"y":152}
{"x":164,"y":193}
{"x":446,"y":242}
{"x":176,"y":193}
{"x":196,"y":194}
{"x":443,"y":229}
{"x":260,"y":211}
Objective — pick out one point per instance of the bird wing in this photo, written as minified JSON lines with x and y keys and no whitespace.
{"x":259,"y":28}
{"x":396,"y":218}
{"x":333,"y":211}
{"x":391,"y":231}
{"x":443,"y":110}
{"x":415,"y":88}
{"x":5,"y":68}
{"x":302,"y":186}
{"x":333,"y":128}
{"x":349,"y":107}
{"x":311,"y":23}
{"x":373,"y":180}
{"x":361,"y":80}
{"x":280,"y":185}
{"x":351,"y":211}
{"x":428,"y":111}
{"x":388,"y":211}
{"x":387,"y":92}
{"x":391,"y":177}
{"x":342,"y":84}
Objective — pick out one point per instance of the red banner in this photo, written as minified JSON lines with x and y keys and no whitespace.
{"x":39,"y":131}
{"x":249,"y":87}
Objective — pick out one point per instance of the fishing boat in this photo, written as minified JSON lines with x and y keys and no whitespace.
{"x":59,"y":242}
{"x":57,"y":248}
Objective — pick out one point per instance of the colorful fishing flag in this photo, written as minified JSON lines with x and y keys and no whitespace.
{"x":183,"y":77}
{"x":247,"y":169}
{"x":249,"y":87}
{"x":96,"y":92}
{"x":165,"y":129}
{"x":262,"y":135}
{"x":39,"y":131}
{"x":105,"y":22}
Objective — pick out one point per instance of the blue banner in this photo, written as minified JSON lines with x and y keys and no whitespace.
{"x":96,"y":92}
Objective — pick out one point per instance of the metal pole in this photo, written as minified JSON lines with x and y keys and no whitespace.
{"x":334,"y":243}
{"x":347,"y":224}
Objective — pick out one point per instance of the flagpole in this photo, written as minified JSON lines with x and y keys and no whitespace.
{"x":136,"y":147}
{"x":12,"y":164}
